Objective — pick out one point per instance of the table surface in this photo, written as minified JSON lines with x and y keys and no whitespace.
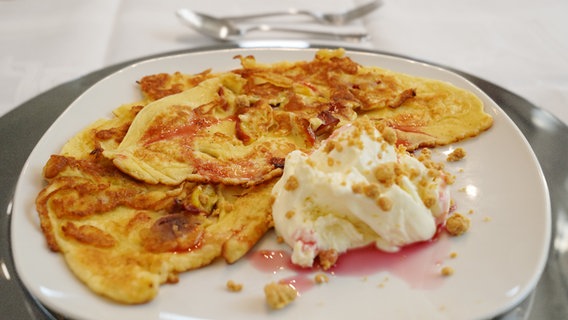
{"x":521,"y":46}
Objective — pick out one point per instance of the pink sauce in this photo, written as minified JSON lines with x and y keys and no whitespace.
{"x":417,"y":264}
{"x":273,"y":261}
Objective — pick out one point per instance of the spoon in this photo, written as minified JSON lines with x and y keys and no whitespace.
{"x":224,"y":30}
{"x":340,"y":18}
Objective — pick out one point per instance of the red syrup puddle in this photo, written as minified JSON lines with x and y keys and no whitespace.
{"x":274,"y":261}
{"x":417,"y":264}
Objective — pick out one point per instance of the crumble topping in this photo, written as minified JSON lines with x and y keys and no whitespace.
{"x":279,"y":295}
{"x":290,"y":214}
{"x":457,"y":224}
{"x":321,"y":278}
{"x":447,"y":271}
{"x":384,"y":203}
{"x":456,"y":155}
{"x":291,"y":184}
{"x":328,"y":258}
{"x":384,"y":282}
{"x":233,"y":286}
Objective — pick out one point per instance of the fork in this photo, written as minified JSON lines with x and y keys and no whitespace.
{"x":340,"y":18}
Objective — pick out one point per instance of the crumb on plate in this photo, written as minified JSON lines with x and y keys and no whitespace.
{"x":233,"y":286}
{"x":279,"y":295}
{"x":456,"y":155}
{"x":457,"y":224}
{"x":321,"y":278}
{"x":447,"y":271}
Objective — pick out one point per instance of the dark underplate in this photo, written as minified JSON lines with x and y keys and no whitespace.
{"x":22,"y":128}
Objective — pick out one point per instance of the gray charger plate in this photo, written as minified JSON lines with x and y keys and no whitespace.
{"x":22,"y":128}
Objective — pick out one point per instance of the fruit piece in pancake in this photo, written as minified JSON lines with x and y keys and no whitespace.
{"x":210,"y":134}
{"x":122,"y":237}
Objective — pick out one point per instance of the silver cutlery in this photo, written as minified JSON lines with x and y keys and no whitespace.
{"x":339,"y":18}
{"x":221,"y":29}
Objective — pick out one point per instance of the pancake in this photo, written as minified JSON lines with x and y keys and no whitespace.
{"x":424,"y":112}
{"x":123,"y":237}
{"x":437,"y":114}
{"x":209,"y":134}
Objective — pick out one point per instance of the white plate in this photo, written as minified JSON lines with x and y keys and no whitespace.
{"x":498,"y":264}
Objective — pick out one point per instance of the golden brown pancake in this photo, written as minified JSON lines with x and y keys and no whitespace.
{"x":209,"y":134}
{"x":122,"y":237}
{"x":332,"y":89}
{"x":438,"y":113}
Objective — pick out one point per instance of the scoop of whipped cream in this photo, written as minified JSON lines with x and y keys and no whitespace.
{"x":357,"y":188}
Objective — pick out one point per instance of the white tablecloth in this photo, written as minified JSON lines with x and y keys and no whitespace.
{"x":520,"y":45}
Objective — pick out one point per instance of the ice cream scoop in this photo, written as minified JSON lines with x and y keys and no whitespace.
{"x":357,"y":188}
